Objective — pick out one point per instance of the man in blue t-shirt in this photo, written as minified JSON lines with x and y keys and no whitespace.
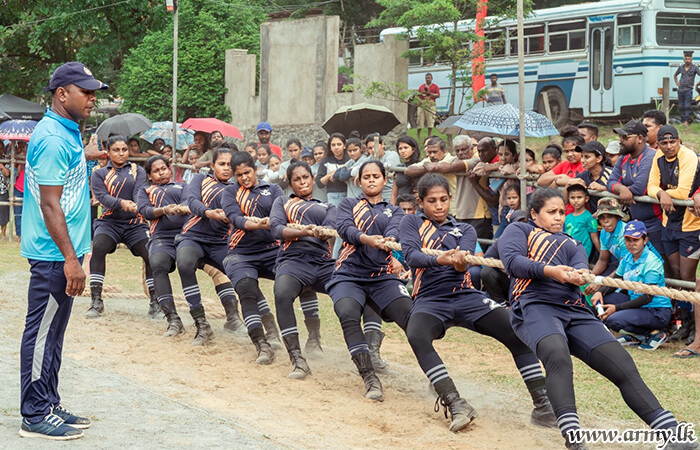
{"x":55,"y":236}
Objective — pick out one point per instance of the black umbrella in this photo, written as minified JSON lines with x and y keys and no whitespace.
{"x":448,"y":126}
{"x":362,"y":117}
{"x":123,"y":125}
{"x":4,"y":116}
{"x":19,"y":108}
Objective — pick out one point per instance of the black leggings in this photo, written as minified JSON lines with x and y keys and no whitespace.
{"x":103,"y":245}
{"x":287,"y":289}
{"x":249,"y":293}
{"x":188,"y":261}
{"x":162,"y":264}
{"x":496,"y":283}
{"x":349,"y":312}
{"x":610,"y":360}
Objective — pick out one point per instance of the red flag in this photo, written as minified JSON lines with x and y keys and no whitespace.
{"x":478,"y":80}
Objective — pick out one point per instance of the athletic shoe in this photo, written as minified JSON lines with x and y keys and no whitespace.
{"x":628,"y":341}
{"x":654,"y":340}
{"x":51,"y":427}
{"x":71,"y":419}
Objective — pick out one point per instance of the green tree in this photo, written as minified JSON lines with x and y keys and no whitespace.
{"x":36,"y":36}
{"x":434,"y":25}
{"x":206,"y":30}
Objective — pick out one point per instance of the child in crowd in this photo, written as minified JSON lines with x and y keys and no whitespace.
{"x":320,"y":151}
{"x":551,"y":156}
{"x":510,"y":203}
{"x":168,"y":151}
{"x":409,"y":204}
{"x":252,"y":149}
{"x":272,"y":173}
{"x":640,"y":318}
{"x":263,"y":153}
{"x":307,"y":155}
{"x":192,"y":158}
{"x":597,"y":170}
{"x":580,"y":224}
{"x":563,"y":172}
{"x":349,"y":171}
{"x":531,"y":163}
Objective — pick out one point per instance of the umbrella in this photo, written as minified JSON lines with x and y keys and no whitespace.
{"x":362,"y":117}
{"x":19,"y":108}
{"x":504,"y":120}
{"x":210,"y":124}
{"x":18,"y":130}
{"x":4,"y":115}
{"x":164,"y":130}
{"x":448,"y":126}
{"x":124,"y":125}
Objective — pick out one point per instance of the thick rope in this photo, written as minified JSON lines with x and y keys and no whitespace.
{"x":688,"y":296}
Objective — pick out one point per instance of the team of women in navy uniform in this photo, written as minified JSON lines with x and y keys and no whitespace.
{"x":288,"y":242}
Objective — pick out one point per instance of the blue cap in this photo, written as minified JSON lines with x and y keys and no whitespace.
{"x":74,"y":73}
{"x":635,"y":229}
{"x":263,"y":126}
{"x":307,"y":151}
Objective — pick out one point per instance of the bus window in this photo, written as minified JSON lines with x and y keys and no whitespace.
{"x":687,"y":4}
{"x":629,"y":30}
{"x":495,"y":43}
{"x":533,"y":38}
{"x":677,"y":29}
{"x":567,"y":36}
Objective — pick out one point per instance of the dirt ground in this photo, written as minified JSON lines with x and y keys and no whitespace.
{"x":145,"y":391}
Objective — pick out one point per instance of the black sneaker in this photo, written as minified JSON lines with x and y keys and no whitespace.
{"x":51,"y":427}
{"x":71,"y":419}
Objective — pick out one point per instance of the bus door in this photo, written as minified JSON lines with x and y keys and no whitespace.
{"x":601,"y":45}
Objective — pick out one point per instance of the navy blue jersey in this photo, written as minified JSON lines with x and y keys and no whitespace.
{"x":431,"y":279}
{"x":355,"y":217}
{"x":111,"y":185}
{"x":294,"y":209}
{"x":203,"y":194}
{"x":529,"y":249}
{"x":239,"y":202}
{"x":159,"y":196}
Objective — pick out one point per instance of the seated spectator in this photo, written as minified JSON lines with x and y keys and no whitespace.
{"x":640,"y":318}
{"x":511,"y":203}
{"x":612,"y":239}
{"x":565,"y":170}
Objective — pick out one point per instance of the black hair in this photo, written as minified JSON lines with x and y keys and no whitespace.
{"x":376,"y":163}
{"x":225,"y":145}
{"x":336,"y":136}
{"x":407,"y":198}
{"x":265,"y":146}
{"x":511,"y":187}
{"x":114,"y":139}
{"x":242,"y":158}
{"x":540,"y":197}
{"x":274,"y":155}
{"x":321,"y":144}
{"x":429,"y":181}
{"x":220,"y":151}
{"x":167,"y":146}
{"x":575,"y":138}
{"x":294,"y":141}
{"x":156,"y":139}
{"x":206,"y":139}
{"x":354,"y":142}
{"x":150,"y":161}
{"x":589,"y":126}
{"x":252,"y":145}
{"x":216,"y":131}
{"x":576,"y":188}
{"x":370,"y":138}
{"x":415,"y":156}
{"x":354,"y":134}
{"x":294,"y":165}
{"x":552,"y":149}
{"x":531,"y":154}
{"x":569,"y":130}
{"x":510,"y":145}
{"x":130,"y":139}
{"x":658,"y":116}
{"x":435,"y":140}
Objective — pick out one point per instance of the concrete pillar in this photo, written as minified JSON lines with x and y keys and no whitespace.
{"x":240,"y":84}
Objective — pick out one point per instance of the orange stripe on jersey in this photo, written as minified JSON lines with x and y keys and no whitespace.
{"x":418,"y":281}
{"x":154,"y":222}
{"x":236,"y":238}
{"x":347,"y":250}
{"x":466,"y":282}
{"x":190,"y":223}
{"x":359,"y":211}
{"x":426,"y":233}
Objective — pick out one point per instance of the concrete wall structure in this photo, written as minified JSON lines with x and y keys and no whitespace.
{"x":299,"y":75}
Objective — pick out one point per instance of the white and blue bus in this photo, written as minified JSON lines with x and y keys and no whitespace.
{"x":603,"y":59}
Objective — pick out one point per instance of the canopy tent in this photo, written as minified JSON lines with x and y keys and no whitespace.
{"x":19,"y":108}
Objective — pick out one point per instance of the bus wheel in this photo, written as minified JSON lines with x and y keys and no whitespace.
{"x":558,"y":106}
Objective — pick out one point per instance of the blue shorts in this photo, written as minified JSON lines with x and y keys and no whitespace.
{"x":212,"y":254}
{"x":121,"y":232}
{"x":684,"y":242}
{"x":315,"y":273}
{"x":582,"y":330}
{"x":162,"y":245}
{"x":380,"y":293}
{"x":259,"y":265}
{"x":461,"y":309}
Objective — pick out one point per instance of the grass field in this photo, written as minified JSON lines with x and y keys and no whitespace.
{"x":676,"y":382}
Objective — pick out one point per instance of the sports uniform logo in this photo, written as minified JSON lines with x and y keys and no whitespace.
{"x":387,"y":212}
{"x":265,"y":192}
{"x":403,"y":290}
{"x":491,"y":303}
{"x":456,"y":232}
